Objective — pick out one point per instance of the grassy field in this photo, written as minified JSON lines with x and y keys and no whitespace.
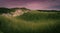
{"x":31,"y":22}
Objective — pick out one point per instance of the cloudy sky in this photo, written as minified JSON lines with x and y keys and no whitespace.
{"x":32,"y":4}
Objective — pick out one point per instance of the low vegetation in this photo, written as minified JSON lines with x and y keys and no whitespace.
{"x":31,"y":22}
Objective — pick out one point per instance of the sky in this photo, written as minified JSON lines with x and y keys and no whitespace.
{"x":32,"y":4}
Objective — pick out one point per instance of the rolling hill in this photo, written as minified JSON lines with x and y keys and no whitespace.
{"x":31,"y":22}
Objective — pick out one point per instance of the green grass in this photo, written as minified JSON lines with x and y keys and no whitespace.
{"x":32,"y":22}
{"x":36,"y":15}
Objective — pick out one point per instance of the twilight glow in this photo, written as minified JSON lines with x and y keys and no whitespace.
{"x":32,"y":4}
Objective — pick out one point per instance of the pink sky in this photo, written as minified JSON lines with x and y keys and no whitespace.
{"x":31,"y":4}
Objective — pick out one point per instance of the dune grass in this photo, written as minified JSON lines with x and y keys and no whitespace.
{"x":32,"y":22}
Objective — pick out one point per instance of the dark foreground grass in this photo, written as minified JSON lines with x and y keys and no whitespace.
{"x":32,"y":22}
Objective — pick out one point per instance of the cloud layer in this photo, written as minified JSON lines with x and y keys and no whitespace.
{"x":31,"y":4}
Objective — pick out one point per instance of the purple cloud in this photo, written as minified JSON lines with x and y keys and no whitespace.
{"x":31,"y":4}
